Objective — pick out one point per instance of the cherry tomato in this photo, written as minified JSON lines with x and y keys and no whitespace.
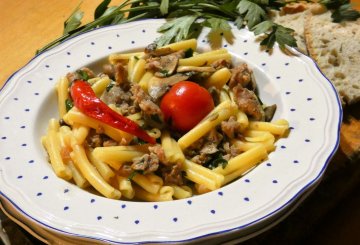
{"x":185,"y":105}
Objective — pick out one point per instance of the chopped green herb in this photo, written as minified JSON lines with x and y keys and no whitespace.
{"x":156,"y":118}
{"x":133,"y":173}
{"x":69,"y":104}
{"x":216,"y":160}
{"x":164,"y":72}
{"x":189,"y":52}
{"x":110,"y":86}
{"x":83,"y":75}
{"x":140,"y":141}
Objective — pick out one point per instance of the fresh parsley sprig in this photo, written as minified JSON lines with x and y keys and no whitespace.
{"x":187,"y":16}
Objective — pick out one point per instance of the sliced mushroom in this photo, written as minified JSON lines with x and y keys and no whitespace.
{"x":152,"y":51}
{"x":269,"y":112}
{"x":157,"y":86}
{"x":168,"y":65}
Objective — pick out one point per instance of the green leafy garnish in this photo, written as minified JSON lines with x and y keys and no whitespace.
{"x":176,"y":29}
{"x":189,"y":52}
{"x":274,"y":32}
{"x":69,"y":104}
{"x":156,"y":118}
{"x":74,"y":21}
{"x":216,"y":160}
{"x":218,"y":25}
{"x":186,"y":17}
{"x":101,"y":9}
{"x":164,"y":7}
{"x":110,"y":86}
{"x":83,"y":75}
{"x":132,"y":175}
{"x":252,"y":12}
{"x":345,"y":12}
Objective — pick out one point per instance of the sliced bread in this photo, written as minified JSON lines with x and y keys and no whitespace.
{"x":293,"y":16}
{"x":336,"y":49}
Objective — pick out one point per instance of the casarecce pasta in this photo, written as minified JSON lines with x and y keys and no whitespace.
{"x":122,"y":143}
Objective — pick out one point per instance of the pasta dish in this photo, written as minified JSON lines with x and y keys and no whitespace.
{"x":162,"y":124}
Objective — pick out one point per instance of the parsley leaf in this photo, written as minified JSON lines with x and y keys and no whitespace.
{"x":74,"y":21}
{"x":176,"y":30}
{"x":101,"y":9}
{"x":253,"y":12}
{"x":217,"y":24}
{"x":333,"y":4}
{"x":262,"y":27}
{"x":284,"y":36}
{"x":345,"y":12}
{"x":275,"y":33}
{"x":164,"y":7}
{"x":186,"y":17}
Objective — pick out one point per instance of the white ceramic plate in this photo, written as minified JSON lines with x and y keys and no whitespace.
{"x":303,"y":95}
{"x":50,"y":236}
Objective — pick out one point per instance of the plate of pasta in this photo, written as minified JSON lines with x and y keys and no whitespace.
{"x":113,"y":139}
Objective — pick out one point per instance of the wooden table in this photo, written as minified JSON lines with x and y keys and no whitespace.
{"x":29,"y":25}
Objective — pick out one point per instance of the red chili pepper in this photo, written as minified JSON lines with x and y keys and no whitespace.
{"x":87,"y":102}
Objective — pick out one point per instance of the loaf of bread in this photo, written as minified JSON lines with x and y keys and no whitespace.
{"x":293,"y":16}
{"x":336,"y":49}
